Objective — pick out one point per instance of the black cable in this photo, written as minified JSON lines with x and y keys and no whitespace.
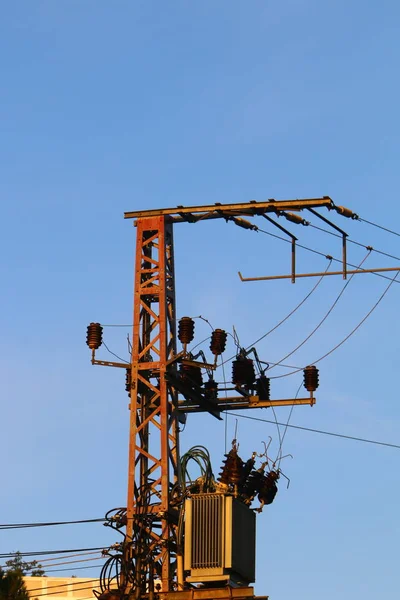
{"x":47,"y":524}
{"x":47,"y":552}
{"x":349,"y":335}
{"x":287,"y":316}
{"x":331,"y":433}
{"x":117,"y":325}
{"x":326,"y":314}
{"x":354,"y":242}
{"x":378,"y":226}
{"x":73,"y":568}
{"x":116,"y":355}
{"x":65,"y":562}
{"x":61,"y":585}
{"x":287,"y":425}
{"x":338,"y":260}
{"x":90,"y":587}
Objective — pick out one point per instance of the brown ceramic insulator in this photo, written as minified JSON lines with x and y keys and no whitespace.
{"x":186,"y":330}
{"x":263,"y":387}
{"x":128,"y":380}
{"x":211,"y":389}
{"x":268,"y":487}
{"x":218,"y":341}
{"x":94,"y":336}
{"x":191,"y":374}
{"x":232,"y":469}
{"x":243,"y":372}
{"x":253,"y":483}
{"x":311,"y":378}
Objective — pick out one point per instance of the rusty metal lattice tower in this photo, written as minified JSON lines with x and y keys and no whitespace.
{"x":153,"y":447}
{"x":151,"y":557}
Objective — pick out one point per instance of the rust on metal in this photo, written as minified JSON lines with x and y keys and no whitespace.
{"x":213,"y":211}
{"x":319,"y":274}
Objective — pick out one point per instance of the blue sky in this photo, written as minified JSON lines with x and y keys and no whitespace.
{"x":114,"y":106}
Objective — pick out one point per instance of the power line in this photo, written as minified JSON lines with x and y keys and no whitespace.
{"x":338,"y":260}
{"x":331,"y":433}
{"x":349,"y":335}
{"x":285,"y":318}
{"x":61,"y":585}
{"x":66,"y":562}
{"x":325,"y":316}
{"x":113,"y":353}
{"x":47,"y":552}
{"x":354,"y":242}
{"x":47,"y":524}
{"x":81,"y":589}
{"x":74,"y":568}
{"x":379,"y":226}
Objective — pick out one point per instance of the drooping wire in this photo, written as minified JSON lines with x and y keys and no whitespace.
{"x":321,"y":322}
{"x":279,"y":455}
{"x":113,"y":353}
{"x":348,"y":336}
{"x":292,"y":312}
{"x":331,"y":433}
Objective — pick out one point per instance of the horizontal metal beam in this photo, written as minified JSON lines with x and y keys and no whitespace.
{"x":240,"y":403}
{"x":321,"y":274}
{"x":218,"y":211}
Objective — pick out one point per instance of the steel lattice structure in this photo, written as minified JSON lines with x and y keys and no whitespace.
{"x":151,"y":549}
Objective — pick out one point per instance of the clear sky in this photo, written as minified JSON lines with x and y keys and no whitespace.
{"x":109,"y":106}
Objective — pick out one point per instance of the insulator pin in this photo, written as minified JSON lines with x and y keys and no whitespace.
{"x":243,"y":372}
{"x":311,"y":378}
{"x":346,"y":212}
{"x":94,"y":336}
{"x":186,"y":330}
{"x":218,"y":341}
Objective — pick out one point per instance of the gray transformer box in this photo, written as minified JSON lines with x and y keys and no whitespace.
{"x":220,"y":540}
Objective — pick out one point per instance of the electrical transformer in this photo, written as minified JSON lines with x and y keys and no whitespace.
{"x":220,"y":540}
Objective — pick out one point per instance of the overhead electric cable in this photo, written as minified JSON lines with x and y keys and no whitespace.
{"x":113,"y":353}
{"x":47,"y":552}
{"x":74,"y":568}
{"x":331,"y":433}
{"x":61,"y":585}
{"x":325,"y":316}
{"x":76,"y":589}
{"x":338,"y":260}
{"x":279,"y":456}
{"x":47,"y":524}
{"x":354,"y":242}
{"x":379,"y":226}
{"x":347,"y":336}
{"x":282,"y":321}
